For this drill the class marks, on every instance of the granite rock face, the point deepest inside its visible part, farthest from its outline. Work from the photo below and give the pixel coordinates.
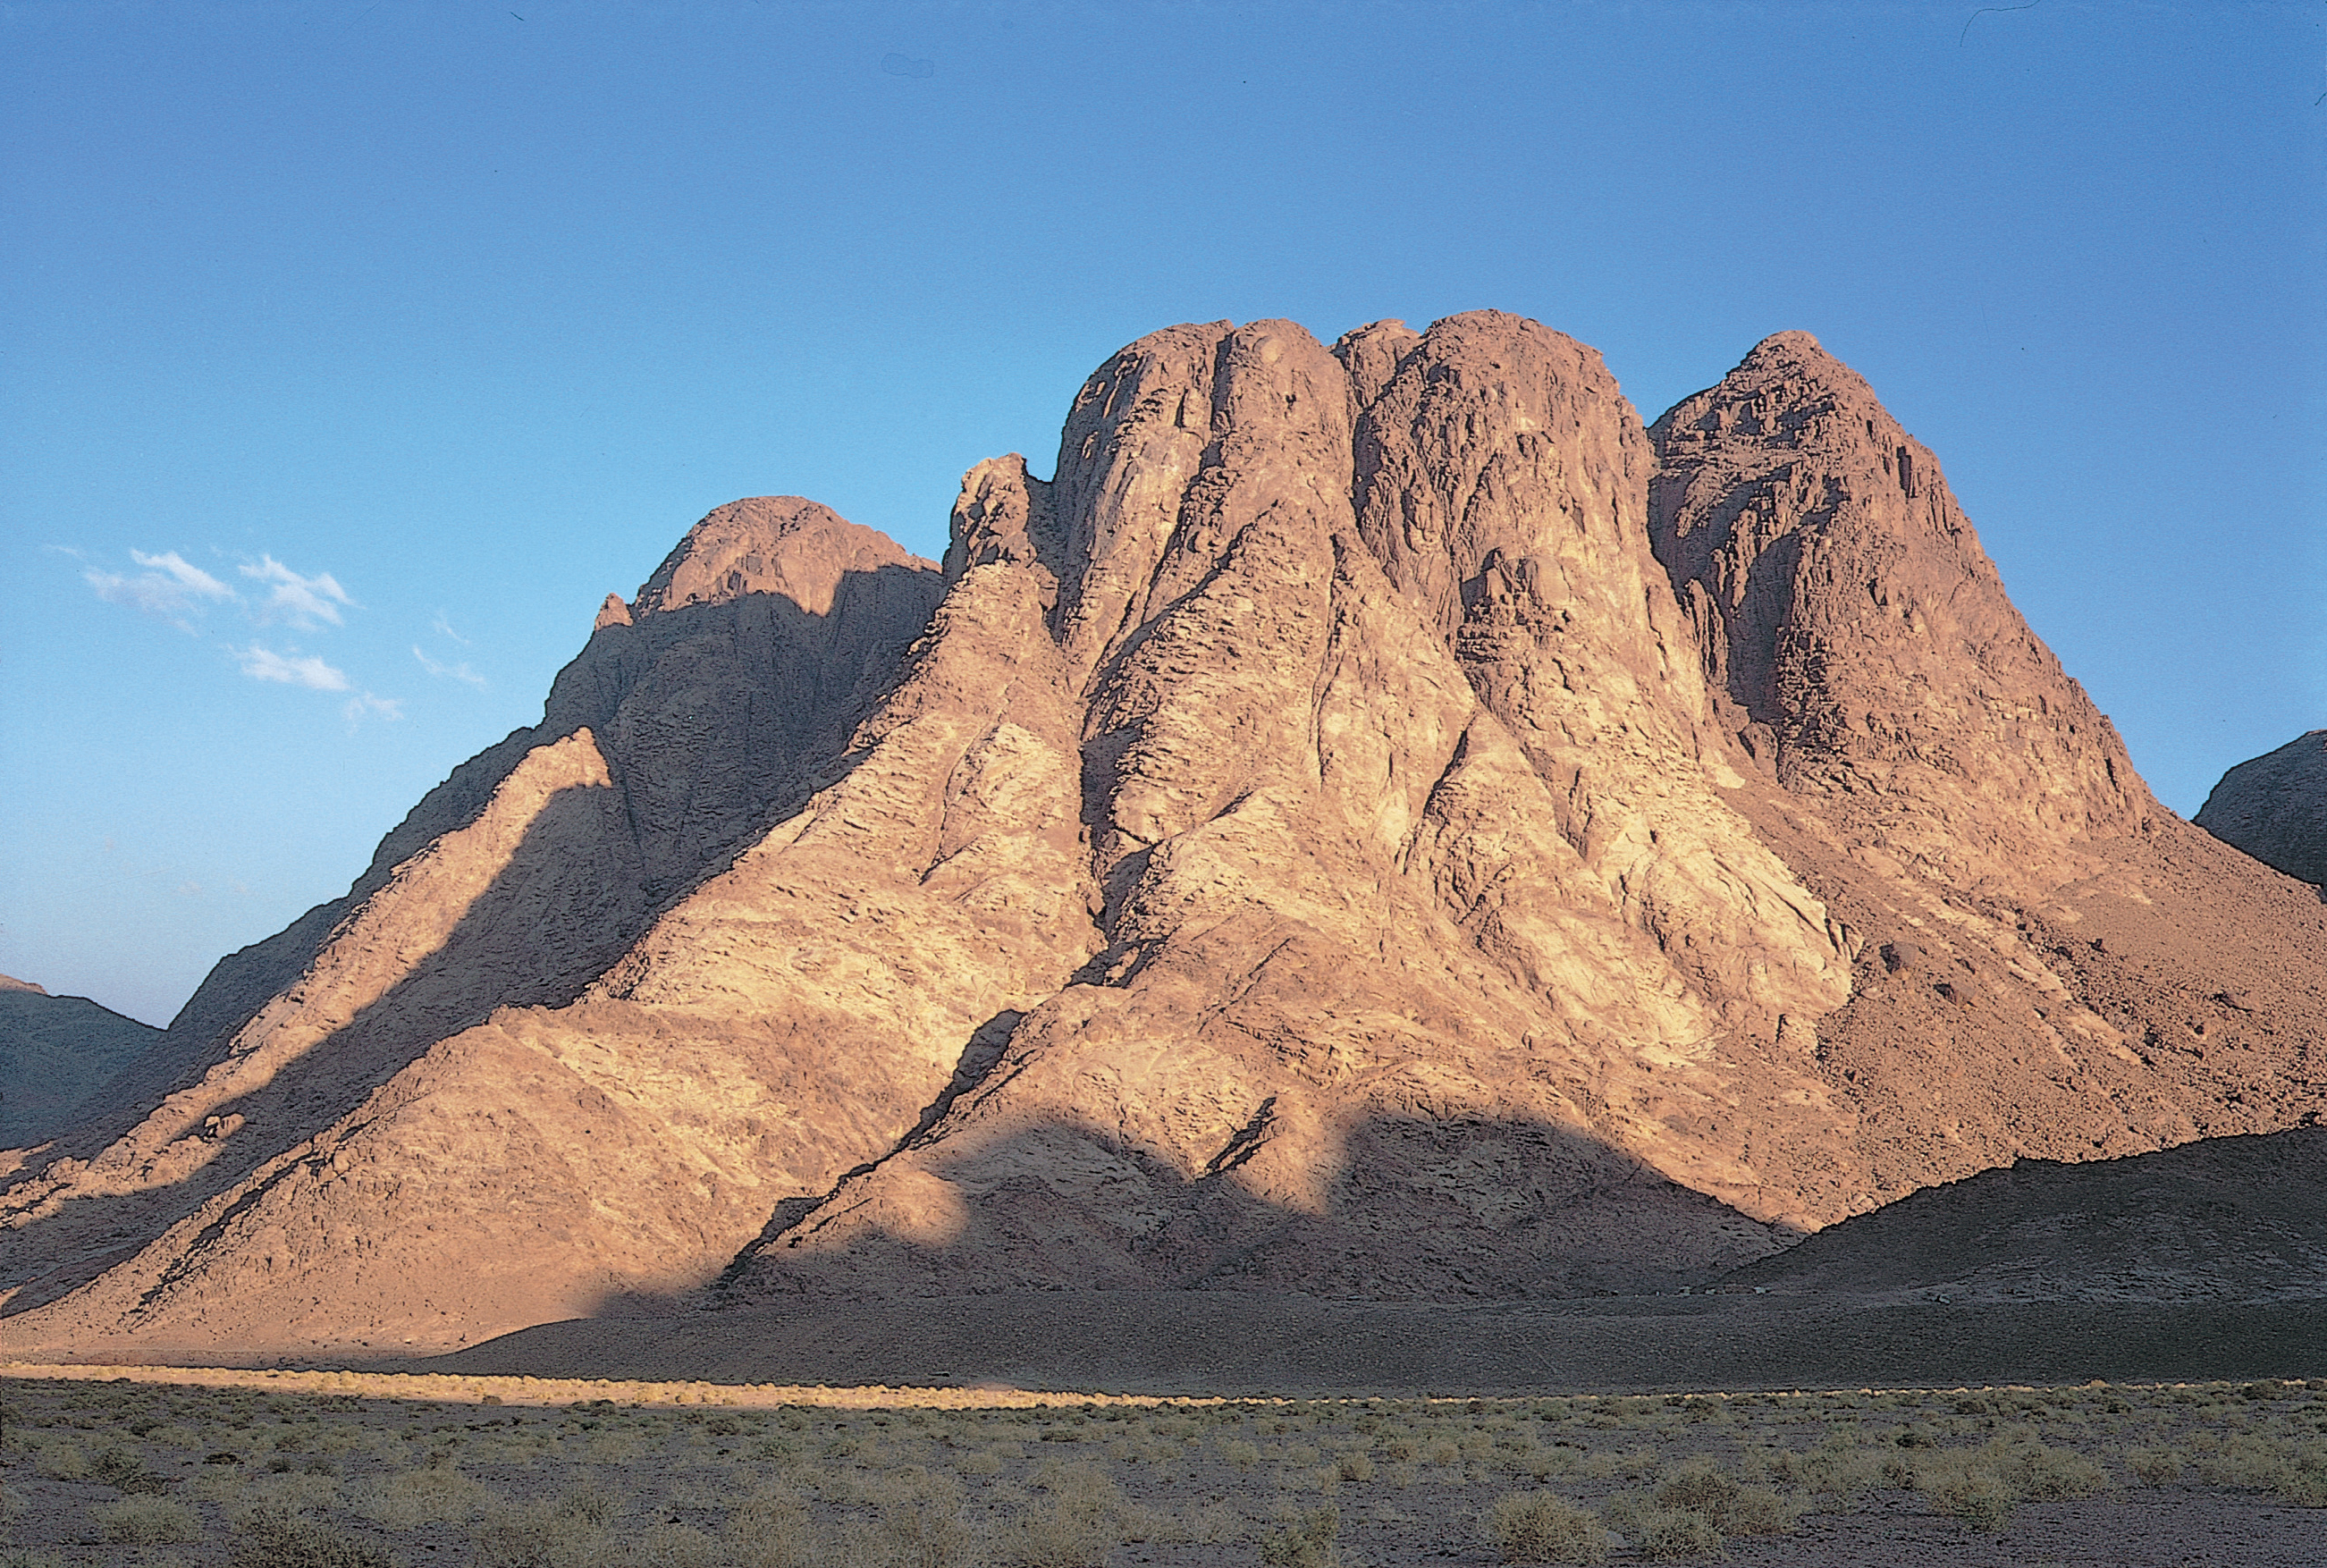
(2275, 808)
(1377, 821)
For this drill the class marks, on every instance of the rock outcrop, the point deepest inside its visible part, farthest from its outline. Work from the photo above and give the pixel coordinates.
(1377, 821)
(2275, 808)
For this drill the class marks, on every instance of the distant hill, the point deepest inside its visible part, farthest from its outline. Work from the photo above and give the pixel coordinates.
(54, 1052)
(2240, 1217)
(2275, 808)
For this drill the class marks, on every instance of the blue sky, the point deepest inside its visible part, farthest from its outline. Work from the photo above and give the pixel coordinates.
(353, 352)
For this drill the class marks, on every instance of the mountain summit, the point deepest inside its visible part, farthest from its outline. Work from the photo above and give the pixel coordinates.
(1378, 820)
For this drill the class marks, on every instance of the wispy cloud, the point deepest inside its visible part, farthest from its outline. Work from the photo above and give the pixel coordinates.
(170, 587)
(365, 705)
(293, 669)
(300, 600)
(460, 672)
(443, 628)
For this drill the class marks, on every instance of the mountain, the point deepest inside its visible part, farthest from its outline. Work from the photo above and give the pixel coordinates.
(55, 1053)
(2275, 808)
(1378, 821)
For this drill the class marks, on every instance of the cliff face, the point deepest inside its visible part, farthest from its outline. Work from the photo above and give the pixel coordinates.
(2275, 808)
(1377, 821)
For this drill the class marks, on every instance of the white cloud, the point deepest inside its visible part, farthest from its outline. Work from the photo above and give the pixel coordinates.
(444, 628)
(300, 600)
(170, 587)
(452, 671)
(292, 669)
(358, 707)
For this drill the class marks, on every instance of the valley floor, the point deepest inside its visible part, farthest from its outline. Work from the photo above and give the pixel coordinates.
(258, 1469)
(1220, 1343)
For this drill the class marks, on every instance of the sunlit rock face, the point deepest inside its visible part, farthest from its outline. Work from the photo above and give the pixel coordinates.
(1377, 821)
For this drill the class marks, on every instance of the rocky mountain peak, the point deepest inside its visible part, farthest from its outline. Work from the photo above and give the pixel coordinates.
(783, 544)
(1858, 639)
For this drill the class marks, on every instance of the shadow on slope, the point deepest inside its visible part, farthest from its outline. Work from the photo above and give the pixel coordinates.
(1449, 1207)
(2224, 1219)
(932, 1315)
(54, 1052)
(557, 914)
(1202, 1342)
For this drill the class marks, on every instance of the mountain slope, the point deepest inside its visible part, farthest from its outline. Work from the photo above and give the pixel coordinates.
(1379, 821)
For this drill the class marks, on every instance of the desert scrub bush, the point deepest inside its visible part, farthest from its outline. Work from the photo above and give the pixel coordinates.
(291, 1494)
(1838, 1465)
(1543, 1463)
(1312, 1541)
(431, 1494)
(126, 1472)
(1540, 1527)
(539, 1535)
(1239, 1452)
(63, 1460)
(925, 1534)
(2296, 1472)
(1076, 1525)
(1669, 1534)
(176, 1436)
(2047, 1474)
(770, 1531)
(1731, 1508)
(146, 1521)
(2155, 1466)
(1979, 1498)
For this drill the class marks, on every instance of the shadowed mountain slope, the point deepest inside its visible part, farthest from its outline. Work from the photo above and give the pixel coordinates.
(55, 1052)
(1378, 821)
(2228, 1219)
(2275, 808)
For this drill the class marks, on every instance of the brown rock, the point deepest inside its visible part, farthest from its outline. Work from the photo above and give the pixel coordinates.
(1858, 640)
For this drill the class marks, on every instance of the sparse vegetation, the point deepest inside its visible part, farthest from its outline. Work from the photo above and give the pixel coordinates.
(327, 1477)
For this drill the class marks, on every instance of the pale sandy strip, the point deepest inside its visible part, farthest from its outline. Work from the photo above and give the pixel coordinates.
(449, 1388)
(453, 1388)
